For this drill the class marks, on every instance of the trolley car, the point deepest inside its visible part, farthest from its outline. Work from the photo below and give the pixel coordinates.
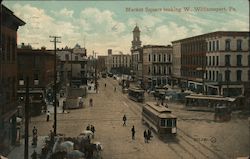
(136, 94)
(160, 119)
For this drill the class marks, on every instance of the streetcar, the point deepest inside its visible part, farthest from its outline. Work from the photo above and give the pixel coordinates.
(37, 102)
(160, 119)
(136, 94)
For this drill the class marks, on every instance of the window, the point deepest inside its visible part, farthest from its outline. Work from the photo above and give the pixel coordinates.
(159, 70)
(213, 75)
(239, 57)
(169, 123)
(227, 60)
(210, 46)
(248, 60)
(13, 49)
(239, 72)
(154, 58)
(169, 58)
(248, 75)
(154, 70)
(217, 75)
(164, 70)
(35, 76)
(163, 122)
(66, 57)
(217, 45)
(3, 46)
(169, 71)
(209, 77)
(227, 45)
(217, 60)
(159, 58)
(239, 43)
(213, 45)
(149, 57)
(213, 60)
(164, 57)
(149, 70)
(8, 48)
(227, 75)
(209, 61)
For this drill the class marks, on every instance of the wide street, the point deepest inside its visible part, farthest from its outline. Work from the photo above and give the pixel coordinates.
(198, 136)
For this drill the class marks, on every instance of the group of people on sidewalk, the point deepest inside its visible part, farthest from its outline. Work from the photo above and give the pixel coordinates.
(91, 128)
(147, 133)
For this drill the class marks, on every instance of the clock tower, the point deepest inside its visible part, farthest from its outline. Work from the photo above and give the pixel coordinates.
(136, 43)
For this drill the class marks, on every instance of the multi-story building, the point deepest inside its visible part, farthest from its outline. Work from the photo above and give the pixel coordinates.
(228, 62)
(8, 77)
(189, 62)
(176, 64)
(73, 67)
(136, 55)
(118, 63)
(38, 66)
(157, 65)
(101, 66)
(215, 63)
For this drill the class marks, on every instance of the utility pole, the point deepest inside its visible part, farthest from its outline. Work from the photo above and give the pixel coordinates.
(55, 75)
(26, 141)
(94, 53)
(71, 60)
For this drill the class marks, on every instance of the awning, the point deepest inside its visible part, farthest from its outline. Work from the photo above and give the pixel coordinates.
(8, 115)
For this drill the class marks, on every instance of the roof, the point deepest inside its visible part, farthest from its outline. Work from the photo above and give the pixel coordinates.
(224, 33)
(160, 111)
(136, 89)
(33, 52)
(159, 108)
(136, 29)
(219, 98)
(157, 46)
(18, 21)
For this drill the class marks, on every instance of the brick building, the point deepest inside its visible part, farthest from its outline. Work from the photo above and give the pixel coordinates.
(215, 63)
(8, 77)
(38, 66)
(157, 65)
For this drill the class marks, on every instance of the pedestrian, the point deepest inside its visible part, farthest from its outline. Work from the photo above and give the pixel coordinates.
(133, 132)
(64, 105)
(145, 134)
(149, 134)
(91, 102)
(88, 127)
(124, 120)
(34, 131)
(34, 155)
(93, 130)
(57, 102)
(48, 115)
(52, 138)
(166, 105)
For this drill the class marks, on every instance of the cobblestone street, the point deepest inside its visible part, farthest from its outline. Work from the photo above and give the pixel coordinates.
(198, 136)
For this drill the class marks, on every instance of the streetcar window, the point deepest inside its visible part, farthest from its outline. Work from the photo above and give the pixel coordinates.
(162, 122)
(174, 123)
(169, 123)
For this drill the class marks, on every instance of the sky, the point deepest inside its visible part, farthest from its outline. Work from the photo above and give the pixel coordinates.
(101, 25)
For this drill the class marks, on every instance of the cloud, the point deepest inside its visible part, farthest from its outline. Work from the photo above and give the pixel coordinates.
(64, 13)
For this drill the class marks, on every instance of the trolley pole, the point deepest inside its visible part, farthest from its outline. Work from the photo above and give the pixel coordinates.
(55, 74)
(26, 141)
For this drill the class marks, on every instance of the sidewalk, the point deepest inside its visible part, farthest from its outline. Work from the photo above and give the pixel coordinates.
(18, 151)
